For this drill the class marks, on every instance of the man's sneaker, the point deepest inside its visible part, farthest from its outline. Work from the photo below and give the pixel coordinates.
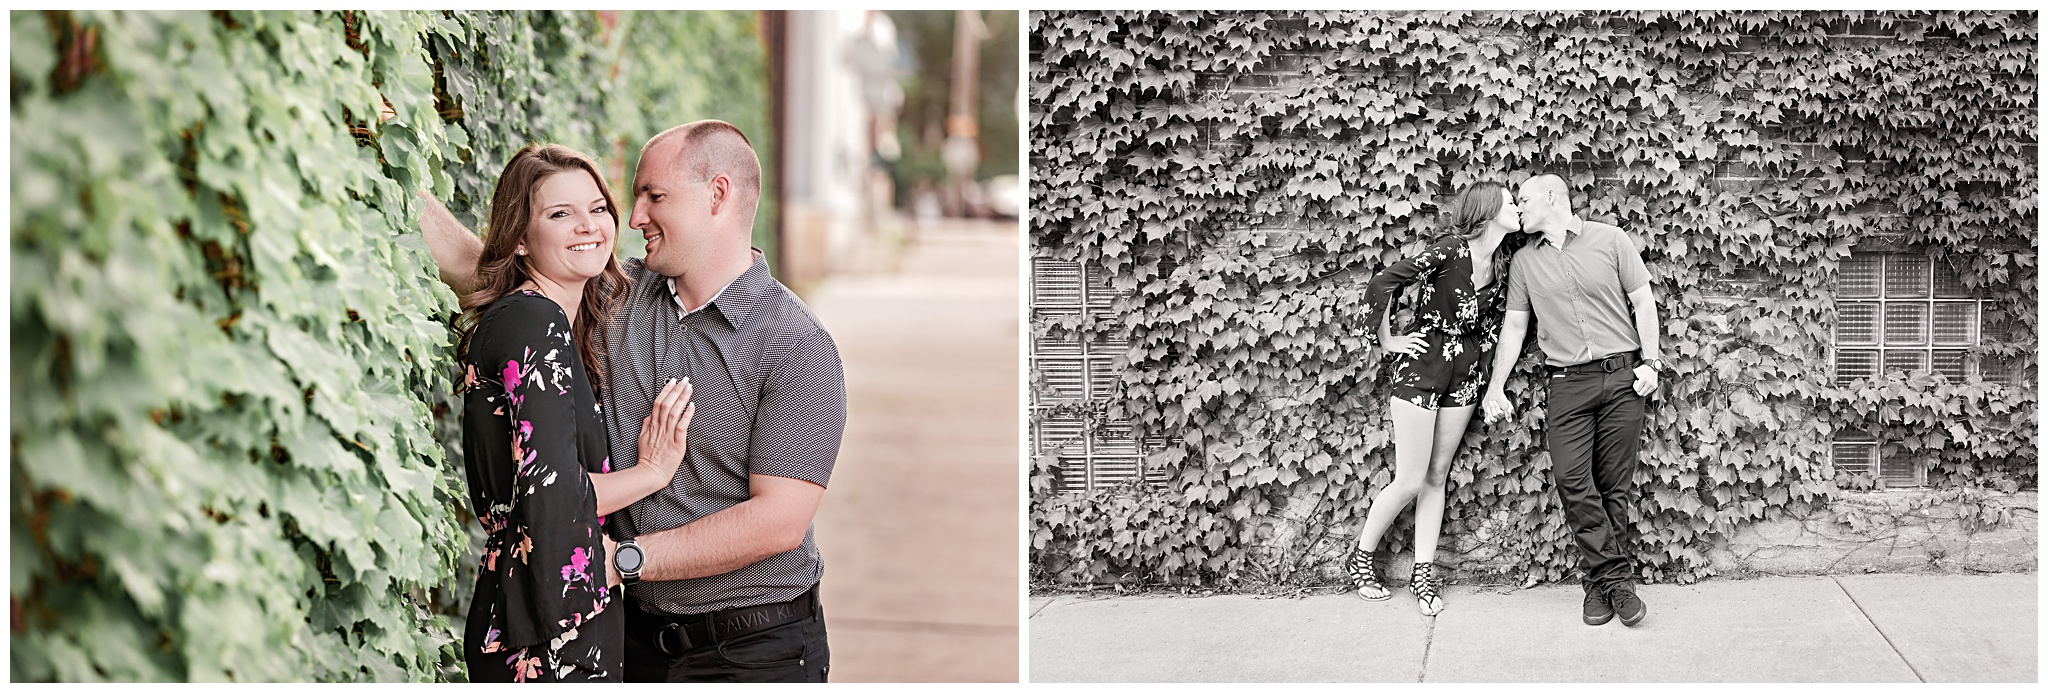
(1597, 609)
(1625, 603)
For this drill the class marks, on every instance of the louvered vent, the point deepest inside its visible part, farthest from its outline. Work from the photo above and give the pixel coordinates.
(1083, 371)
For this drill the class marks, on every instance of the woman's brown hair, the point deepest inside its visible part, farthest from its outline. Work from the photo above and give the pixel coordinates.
(500, 269)
(1477, 204)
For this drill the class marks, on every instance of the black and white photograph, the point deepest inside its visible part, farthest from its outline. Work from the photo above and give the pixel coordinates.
(1532, 346)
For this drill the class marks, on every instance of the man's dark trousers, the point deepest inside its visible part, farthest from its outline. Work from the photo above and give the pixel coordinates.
(791, 653)
(1595, 429)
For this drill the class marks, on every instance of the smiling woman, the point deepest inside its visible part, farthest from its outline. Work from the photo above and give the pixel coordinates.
(534, 439)
(572, 216)
(525, 206)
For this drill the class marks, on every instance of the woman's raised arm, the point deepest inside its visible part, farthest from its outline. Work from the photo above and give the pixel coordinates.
(454, 248)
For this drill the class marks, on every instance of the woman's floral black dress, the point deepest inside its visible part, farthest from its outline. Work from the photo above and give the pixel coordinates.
(532, 434)
(1457, 323)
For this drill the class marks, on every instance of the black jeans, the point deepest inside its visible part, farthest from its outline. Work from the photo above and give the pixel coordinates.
(1595, 429)
(790, 653)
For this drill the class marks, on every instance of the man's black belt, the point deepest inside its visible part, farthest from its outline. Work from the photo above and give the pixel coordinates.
(679, 634)
(1609, 364)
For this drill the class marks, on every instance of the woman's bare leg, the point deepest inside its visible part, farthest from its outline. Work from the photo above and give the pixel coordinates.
(1429, 506)
(1413, 433)
(1429, 501)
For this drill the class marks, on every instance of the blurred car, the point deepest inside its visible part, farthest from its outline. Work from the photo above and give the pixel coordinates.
(1005, 196)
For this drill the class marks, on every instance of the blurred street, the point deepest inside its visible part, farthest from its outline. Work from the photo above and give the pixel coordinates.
(919, 527)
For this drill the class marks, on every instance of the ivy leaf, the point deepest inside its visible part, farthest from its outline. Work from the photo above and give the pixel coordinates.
(1320, 189)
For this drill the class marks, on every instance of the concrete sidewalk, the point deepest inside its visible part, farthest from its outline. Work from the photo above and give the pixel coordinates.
(1903, 628)
(919, 527)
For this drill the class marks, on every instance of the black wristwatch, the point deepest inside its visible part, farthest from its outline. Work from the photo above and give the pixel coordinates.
(630, 560)
(1655, 364)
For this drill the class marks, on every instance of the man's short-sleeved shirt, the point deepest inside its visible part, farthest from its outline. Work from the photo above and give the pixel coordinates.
(1579, 292)
(771, 399)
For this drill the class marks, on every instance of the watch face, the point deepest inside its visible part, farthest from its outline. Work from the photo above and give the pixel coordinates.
(629, 559)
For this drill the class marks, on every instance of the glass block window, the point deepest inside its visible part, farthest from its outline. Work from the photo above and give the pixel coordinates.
(1078, 371)
(1902, 311)
(1905, 312)
(1858, 453)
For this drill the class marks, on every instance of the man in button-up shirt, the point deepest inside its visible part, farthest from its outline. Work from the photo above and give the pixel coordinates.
(1596, 322)
(728, 587)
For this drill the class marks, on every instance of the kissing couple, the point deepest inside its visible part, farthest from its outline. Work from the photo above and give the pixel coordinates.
(1585, 285)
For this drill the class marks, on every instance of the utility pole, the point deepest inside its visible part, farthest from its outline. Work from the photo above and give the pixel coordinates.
(962, 150)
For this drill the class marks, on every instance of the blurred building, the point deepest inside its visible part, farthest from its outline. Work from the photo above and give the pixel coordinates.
(958, 125)
(882, 118)
(835, 96)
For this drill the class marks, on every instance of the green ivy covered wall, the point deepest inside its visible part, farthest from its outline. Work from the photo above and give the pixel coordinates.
(1209, 191)
(231, 450)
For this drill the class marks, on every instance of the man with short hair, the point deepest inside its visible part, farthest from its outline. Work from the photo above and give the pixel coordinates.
(721, 567)
(1596, 323)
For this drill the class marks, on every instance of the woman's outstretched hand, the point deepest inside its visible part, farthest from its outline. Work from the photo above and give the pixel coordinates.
(1403, 344)
(664, 432)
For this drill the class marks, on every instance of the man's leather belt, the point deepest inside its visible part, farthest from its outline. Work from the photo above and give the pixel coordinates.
(679, 634)
(1609, 364)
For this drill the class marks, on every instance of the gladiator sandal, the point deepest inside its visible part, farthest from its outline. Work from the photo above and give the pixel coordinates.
(1426, 587)
(1366, 577)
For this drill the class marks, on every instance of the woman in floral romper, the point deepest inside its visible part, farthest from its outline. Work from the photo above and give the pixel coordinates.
(1439, 372)
(546, 606)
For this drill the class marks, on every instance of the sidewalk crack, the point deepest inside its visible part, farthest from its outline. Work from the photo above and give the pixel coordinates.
(1428, 639)
(1041, 607)
(1880, 630)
